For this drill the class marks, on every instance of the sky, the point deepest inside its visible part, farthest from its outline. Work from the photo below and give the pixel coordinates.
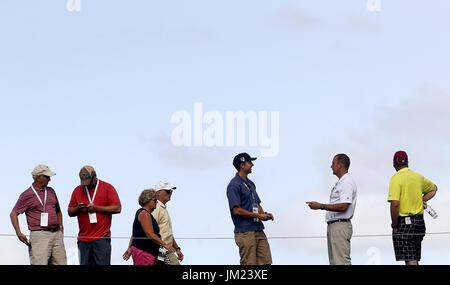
(101, 86)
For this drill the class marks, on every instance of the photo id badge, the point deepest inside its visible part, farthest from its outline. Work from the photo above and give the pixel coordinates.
(44, 220)
(93, 218)
(408, 220)
(256, 211)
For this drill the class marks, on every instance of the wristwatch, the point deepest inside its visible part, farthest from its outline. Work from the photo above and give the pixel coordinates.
(322, 207)
(394, 226)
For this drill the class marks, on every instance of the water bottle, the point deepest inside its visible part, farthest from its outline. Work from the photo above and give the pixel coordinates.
(432, 212)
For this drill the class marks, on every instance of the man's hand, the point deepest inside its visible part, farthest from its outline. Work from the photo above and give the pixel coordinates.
(313, 205)
(265, 216)
(82, 208)
(127, 254)
(180, 255)
(270, 216)
(169, 248)
(23, 238)
(91, 208)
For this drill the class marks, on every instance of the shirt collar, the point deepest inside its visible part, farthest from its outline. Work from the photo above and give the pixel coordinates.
(162, 204)
(239, 177)
(403, 169)
(343, 176)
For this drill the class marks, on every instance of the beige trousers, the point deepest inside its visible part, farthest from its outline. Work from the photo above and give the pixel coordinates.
(254, 248)
(338, 236)
(47, 248)
(173, 258)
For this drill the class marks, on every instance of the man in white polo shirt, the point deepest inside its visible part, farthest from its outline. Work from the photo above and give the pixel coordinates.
(340, 211)
(164, 192)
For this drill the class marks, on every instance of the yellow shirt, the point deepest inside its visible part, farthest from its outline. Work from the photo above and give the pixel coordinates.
(162, 217)
(408, 188)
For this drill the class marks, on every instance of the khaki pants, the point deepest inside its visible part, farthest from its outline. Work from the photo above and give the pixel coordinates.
(254, 248)
(173, 258)
(338, 236)
(47, 248)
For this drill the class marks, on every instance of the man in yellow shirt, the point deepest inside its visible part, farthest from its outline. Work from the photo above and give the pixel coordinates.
(164, 192)
(408, 193)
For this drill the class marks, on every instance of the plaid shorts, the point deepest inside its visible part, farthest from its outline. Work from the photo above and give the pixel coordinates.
(408, 239)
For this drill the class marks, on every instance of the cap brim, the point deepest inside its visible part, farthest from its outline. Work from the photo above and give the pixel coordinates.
(48, 173)
(167, 188)
(85, 182)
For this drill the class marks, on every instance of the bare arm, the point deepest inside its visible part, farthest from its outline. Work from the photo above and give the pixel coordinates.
(261, 211)
(105, 210)
(15, 222)
(60, 222)
(250, 215)
(75, 211)
(178, 250)
(127, 253)
(341, 207)
(394, 211)
(146, 223)
(429, 196)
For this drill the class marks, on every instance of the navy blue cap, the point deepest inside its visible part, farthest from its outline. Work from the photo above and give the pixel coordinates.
(242, 158)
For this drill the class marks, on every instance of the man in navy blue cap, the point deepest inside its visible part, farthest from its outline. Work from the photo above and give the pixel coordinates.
(247, 215)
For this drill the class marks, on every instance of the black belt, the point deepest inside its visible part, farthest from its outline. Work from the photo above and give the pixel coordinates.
(48, 230)
(340, 220)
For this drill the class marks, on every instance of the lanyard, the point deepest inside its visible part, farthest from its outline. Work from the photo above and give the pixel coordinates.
(249, 188)
(95, 193)
(45, 196)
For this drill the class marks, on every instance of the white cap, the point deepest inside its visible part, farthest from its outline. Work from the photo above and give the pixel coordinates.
(162, 185)
(42, 169)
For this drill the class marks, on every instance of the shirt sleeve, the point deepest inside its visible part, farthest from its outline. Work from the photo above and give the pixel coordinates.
(113, 197)
(73, 200)
(234, 199)
(428, 186)
(394, 190)
(258, 200)
(21, 204)
(57, 206)
(346, 193)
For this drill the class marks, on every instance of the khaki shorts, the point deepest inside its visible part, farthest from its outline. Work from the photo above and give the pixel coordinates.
(254, 248)
(47, 248)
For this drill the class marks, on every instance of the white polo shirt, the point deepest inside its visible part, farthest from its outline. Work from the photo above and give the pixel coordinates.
(343, 192)
(162, 217)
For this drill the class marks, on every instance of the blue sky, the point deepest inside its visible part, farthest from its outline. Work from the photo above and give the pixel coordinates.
(99, 87)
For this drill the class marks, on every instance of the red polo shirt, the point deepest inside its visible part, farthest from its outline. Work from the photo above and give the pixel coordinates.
(106, 196)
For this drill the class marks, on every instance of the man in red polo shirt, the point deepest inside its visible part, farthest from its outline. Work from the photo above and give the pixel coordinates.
(94, 202)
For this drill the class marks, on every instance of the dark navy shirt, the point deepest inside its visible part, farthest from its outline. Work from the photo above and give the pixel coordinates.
(140, 239)
(242, 193)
